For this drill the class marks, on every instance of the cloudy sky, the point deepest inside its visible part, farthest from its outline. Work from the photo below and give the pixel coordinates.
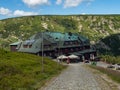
(16, 8)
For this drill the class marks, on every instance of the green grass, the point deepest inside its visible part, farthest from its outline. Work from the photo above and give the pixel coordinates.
(24, 71)
(114, 75)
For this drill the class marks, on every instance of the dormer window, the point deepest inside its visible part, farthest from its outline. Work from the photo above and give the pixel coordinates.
(56, 38)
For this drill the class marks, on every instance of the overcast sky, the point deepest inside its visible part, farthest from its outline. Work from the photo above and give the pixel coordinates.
(16, 8)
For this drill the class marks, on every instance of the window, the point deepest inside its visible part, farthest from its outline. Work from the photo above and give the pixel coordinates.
(47, 46)
(71, 42)
(76, 49)
(80, 48)
(66, 50)
(66, 43)
(76, 42)
(30, 46)
(71, 49)
(25, 46)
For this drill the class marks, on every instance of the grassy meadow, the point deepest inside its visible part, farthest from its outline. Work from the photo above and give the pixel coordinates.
(24, 71)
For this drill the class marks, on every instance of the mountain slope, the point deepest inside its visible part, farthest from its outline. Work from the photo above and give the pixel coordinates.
(91, 26)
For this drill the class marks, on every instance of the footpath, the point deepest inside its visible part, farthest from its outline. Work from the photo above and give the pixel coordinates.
(78, 77)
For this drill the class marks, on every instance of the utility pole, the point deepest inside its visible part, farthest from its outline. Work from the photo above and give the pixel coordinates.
(42, 53)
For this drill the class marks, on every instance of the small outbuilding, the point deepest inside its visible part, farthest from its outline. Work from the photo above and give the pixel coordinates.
(15, 46)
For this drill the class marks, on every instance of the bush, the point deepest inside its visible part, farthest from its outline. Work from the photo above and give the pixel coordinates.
(111, 59)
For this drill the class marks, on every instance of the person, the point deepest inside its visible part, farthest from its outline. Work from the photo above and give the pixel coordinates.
(68, 60)
(83, 58)
(58, 60)
(116, 66)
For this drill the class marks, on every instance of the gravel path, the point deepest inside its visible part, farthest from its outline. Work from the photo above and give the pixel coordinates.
(77, 77)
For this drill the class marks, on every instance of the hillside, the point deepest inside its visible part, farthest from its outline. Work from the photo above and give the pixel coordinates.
(109, 44)
(18, 73)
(91, 26)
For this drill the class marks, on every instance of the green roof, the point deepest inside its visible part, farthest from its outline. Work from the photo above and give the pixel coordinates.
(71, 37)
(16, 43)
(56, 35)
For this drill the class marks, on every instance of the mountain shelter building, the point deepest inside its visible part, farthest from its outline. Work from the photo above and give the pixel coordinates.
(54, 44)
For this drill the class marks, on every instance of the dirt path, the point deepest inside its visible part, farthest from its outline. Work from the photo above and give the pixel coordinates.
(78, 77)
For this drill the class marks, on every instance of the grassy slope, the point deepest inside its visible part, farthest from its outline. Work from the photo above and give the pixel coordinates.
(24, 71)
